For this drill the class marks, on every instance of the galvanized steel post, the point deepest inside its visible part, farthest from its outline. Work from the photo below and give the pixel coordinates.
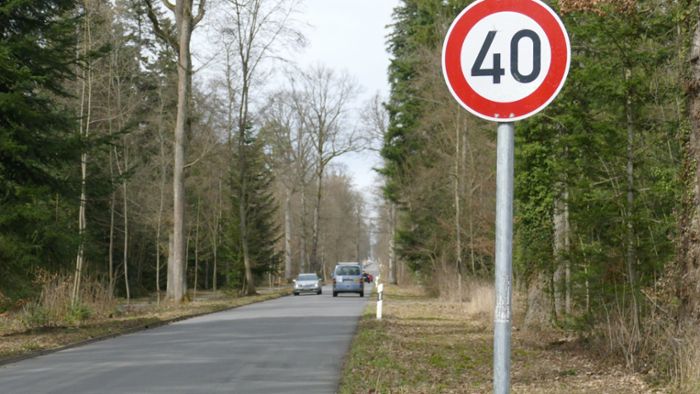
(504, 258)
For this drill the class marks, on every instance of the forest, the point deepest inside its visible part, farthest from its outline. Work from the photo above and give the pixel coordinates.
(130, 169)
(606, 180)
(125, 172)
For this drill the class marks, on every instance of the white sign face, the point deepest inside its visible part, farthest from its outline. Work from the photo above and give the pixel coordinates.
(514, 45)
(506, 60)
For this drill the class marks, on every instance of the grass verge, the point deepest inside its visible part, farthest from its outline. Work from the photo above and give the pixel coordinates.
(427, 345)
(17, 343)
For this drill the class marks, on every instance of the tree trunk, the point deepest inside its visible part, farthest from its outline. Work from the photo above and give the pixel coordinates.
(358, 236)
(183, 19)
(171, 250)
(457, 218)
(216, 239)
(126, 228)
(631, 249)
(112, 209)
(538, 310)
(84, 130)
(243, 202)
(315, 266)
(687, 270)
(161, 205)
(288, 235)
(302, 249)
(393, 277)
(113, 194)
(320, 167)
(567, 262)
(196, 250)
(561, 243)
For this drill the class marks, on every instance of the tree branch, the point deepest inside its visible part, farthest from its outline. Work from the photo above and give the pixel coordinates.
(205, 151)
(162, 34)
(200, 12)
(168, 5)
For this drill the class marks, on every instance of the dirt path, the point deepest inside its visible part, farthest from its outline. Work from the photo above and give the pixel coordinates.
(426, 345)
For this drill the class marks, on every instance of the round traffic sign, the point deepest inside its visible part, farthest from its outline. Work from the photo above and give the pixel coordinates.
(505, 60)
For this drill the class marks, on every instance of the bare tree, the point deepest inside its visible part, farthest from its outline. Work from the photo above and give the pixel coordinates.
(185, 22)
(345, 234)
(290, 144)
(323, 102)
(258, 26)
(376, 122)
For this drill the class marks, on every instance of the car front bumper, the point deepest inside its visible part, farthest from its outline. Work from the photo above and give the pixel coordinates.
(299, 290)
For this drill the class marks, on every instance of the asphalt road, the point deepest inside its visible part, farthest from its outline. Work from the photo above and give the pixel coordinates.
(287, 345)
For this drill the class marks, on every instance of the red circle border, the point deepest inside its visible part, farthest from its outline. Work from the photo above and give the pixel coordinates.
(527, 106)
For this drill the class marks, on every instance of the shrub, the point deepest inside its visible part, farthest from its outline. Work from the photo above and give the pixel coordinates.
(54, 306)
(34, 315)
(78, 314)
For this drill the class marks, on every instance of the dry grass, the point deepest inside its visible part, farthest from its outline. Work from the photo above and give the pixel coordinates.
(428, 345)
(480, 300)
(16, 340)
(686, 371)
(54, 306)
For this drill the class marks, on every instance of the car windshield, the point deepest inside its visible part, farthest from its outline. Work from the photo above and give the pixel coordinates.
(350, 270)
(307, 277)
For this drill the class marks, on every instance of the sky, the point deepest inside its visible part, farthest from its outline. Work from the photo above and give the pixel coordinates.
(351, 35)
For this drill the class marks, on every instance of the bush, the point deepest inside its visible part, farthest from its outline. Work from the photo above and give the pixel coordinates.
(78, 314)
(34, 315)
(54, 307)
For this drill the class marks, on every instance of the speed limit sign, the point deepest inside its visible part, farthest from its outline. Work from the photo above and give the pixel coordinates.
(505, 60)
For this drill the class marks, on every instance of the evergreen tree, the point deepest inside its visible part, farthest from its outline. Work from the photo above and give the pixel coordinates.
(37, 143)
(414, 30)
(263, 229)
(612, 143)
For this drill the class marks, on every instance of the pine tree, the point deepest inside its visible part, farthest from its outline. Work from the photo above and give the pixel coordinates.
(263, 230)
(37, 143)
(612, 144)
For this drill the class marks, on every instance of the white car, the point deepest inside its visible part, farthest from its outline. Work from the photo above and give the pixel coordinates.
(307, 283)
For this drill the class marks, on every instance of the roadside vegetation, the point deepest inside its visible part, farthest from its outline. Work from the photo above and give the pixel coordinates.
(121, 165)
(425, 344)
(125, 173)
(606, 203)
(52, 322)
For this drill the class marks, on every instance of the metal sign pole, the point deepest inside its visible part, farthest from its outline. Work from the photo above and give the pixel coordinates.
(504, 258)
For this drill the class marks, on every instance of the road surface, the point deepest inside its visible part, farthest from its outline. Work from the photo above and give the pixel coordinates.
(288, 345)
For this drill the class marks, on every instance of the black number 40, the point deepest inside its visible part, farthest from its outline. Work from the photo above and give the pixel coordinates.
(497, 72)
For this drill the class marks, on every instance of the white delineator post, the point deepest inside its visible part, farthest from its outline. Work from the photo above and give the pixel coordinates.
(380, 292)
(504, 258)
